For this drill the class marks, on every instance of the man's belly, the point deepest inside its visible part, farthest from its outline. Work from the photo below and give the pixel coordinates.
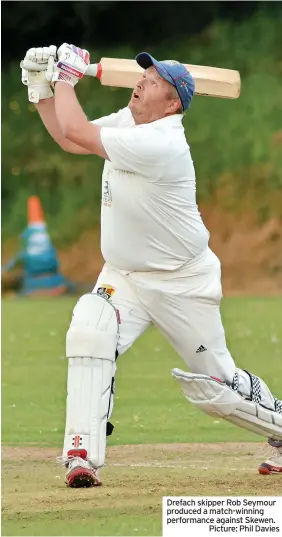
(133, 249)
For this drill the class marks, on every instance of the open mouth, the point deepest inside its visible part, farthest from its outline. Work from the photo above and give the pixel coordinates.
(135, 95)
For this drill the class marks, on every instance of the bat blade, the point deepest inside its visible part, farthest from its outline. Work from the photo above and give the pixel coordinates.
(209, 81)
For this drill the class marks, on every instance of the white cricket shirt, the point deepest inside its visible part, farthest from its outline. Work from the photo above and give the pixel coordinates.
(149, 215)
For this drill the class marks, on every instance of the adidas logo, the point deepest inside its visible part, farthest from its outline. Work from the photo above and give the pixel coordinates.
(201, 349)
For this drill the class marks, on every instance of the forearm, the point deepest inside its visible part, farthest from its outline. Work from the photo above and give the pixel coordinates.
(66, 100)
(47, 112)
(74, 123)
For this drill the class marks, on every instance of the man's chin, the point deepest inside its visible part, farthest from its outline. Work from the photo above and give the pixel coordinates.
(135, 110)
(133, 104)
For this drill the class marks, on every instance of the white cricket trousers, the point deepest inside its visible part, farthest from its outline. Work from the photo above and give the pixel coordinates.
(183, 304)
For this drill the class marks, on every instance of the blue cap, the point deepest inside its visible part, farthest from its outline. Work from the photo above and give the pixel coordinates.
(175, 73)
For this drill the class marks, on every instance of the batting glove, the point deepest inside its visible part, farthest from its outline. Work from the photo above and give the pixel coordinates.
(72, 64)
(38, 82)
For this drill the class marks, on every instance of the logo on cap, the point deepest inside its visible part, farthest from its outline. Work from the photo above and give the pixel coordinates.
(171, 62)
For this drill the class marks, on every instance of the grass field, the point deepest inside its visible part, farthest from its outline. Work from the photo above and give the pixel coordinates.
(161, 444)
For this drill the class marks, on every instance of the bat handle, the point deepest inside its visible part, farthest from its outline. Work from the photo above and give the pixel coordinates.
(94, 69)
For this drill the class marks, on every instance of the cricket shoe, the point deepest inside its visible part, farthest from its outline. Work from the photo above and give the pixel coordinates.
(273, 465)
(80, 472)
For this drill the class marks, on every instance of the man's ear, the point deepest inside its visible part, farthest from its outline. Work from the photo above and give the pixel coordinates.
(175, 106)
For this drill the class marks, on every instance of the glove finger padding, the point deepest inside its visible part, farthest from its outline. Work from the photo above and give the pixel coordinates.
(45, 54)
(72, 64)
(25, 77)
(51, 64)
(41, 54)
(31, 54)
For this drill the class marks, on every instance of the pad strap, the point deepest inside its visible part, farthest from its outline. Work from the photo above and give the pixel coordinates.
(255, 394)
(255, 388)
(278, 405)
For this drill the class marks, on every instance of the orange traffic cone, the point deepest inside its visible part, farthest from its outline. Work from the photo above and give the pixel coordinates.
(42, 275)
(38, 258)
(34, 211)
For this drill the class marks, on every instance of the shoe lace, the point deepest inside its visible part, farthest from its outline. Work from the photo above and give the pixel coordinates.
(78, 461)
(277, 455)
(70, 461)
(271, 453)
(63, 461)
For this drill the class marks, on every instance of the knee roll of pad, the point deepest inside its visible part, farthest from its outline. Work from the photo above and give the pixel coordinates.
(94, 329)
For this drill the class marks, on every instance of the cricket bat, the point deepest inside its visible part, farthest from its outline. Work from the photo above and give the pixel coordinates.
(122, 73)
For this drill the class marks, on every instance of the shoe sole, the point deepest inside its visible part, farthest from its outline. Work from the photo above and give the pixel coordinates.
(266, 469)
(82, 478)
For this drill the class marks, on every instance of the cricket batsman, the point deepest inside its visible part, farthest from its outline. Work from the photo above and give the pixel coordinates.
(159, 268)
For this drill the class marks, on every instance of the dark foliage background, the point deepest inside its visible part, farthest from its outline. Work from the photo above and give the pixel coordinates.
(236, 145)
(109, 24)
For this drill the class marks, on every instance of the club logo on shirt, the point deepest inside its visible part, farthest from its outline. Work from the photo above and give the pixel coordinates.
(106, 291)
(107, 194)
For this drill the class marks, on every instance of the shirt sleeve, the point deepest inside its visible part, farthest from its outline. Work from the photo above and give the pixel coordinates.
(120, 118)
(135, 150)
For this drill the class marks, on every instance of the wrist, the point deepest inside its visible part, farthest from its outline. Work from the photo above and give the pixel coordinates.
(60, 82)
(44, 102)
(62, 76)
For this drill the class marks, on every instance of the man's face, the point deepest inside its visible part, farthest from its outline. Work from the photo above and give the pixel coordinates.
(153, 98)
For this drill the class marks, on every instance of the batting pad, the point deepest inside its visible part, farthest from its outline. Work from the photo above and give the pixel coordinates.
(216, 398)
(91, 344)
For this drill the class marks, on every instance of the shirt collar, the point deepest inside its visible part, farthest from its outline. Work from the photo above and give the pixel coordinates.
(174, 119)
